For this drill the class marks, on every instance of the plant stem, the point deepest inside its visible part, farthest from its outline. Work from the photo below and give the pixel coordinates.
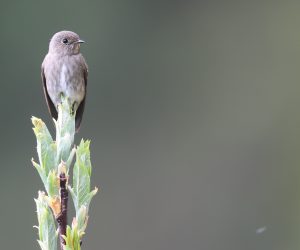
(62, 217)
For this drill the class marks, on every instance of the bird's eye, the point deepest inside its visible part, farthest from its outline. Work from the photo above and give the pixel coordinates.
(65, 41)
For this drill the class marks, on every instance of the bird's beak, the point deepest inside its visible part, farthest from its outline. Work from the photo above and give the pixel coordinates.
(80, 41)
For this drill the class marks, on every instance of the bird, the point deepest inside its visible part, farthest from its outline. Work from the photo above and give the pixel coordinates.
(64, 72)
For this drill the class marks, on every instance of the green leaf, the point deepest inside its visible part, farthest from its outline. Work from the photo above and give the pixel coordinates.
(43, 245)
(52, 184)
(65, 130)
(70, 159)
(47, 231)
(72, 239)
(46, 147)
(81, 177)
(90, 196)
(68, 248)
(82, 219)
(41, 172)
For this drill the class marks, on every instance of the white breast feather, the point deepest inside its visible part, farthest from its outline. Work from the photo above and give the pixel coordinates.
(62, 78)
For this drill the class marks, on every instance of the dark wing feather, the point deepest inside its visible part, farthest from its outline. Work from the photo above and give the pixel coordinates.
(50, 104)
(80, 109)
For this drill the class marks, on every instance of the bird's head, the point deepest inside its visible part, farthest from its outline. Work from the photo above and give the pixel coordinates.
(65, 43)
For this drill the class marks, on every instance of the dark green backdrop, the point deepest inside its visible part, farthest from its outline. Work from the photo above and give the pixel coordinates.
(193, 109)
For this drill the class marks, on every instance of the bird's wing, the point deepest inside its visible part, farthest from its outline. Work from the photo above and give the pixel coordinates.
(80, 109)
(50, 104)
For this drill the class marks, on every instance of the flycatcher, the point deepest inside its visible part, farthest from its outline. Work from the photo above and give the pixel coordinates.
(64, 73)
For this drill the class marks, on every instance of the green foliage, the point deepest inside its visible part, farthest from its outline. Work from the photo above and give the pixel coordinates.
(56, 157)
(75, 233)
(52, 184)
(46, 147)
(47, 231)
(65, 130)
(80, 192)
(72, 239)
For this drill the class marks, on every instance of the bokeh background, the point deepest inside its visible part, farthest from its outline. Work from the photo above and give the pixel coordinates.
(193, 109)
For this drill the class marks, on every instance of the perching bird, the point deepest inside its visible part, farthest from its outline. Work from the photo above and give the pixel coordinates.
(64, 72)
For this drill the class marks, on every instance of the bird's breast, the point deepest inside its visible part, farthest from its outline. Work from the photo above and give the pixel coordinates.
(66, 77)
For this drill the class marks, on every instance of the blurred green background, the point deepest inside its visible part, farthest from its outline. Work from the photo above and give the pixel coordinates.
(193, 111)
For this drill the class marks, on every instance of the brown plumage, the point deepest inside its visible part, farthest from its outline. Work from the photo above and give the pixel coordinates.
(65, 72)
